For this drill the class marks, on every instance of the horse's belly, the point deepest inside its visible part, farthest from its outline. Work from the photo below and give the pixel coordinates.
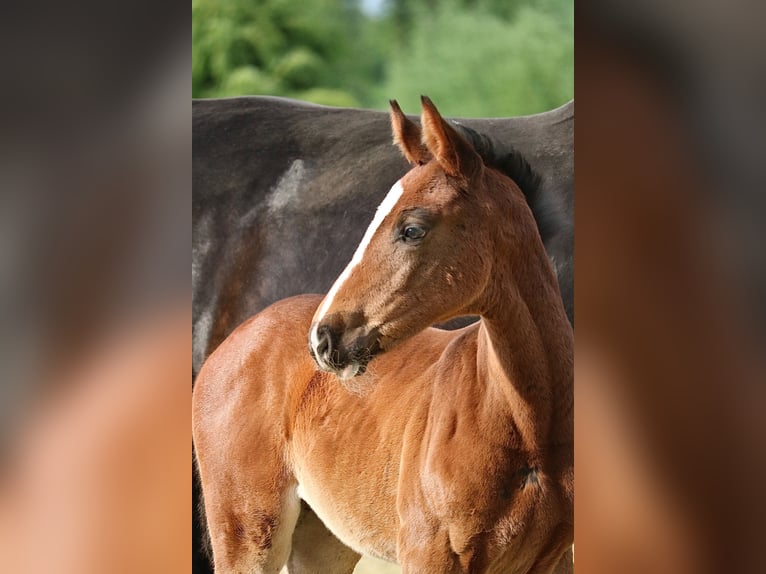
(363, 521)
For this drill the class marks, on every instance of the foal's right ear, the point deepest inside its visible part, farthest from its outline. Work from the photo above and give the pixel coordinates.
(407, 136)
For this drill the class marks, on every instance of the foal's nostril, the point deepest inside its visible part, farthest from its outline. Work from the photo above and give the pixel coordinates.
(323, 348)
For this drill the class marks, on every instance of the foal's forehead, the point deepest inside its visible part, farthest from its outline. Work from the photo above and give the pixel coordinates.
(426, 183)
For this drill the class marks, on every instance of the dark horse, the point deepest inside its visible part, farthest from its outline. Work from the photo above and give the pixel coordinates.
(282, 192)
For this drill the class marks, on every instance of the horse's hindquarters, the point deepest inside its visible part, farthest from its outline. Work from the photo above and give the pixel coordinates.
(241, 413)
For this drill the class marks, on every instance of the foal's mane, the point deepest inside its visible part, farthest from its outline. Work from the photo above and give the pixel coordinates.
(514, 165)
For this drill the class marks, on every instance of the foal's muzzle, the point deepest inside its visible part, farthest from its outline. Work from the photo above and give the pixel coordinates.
(344, 352)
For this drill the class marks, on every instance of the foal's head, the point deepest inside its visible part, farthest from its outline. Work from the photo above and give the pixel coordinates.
(442, 233)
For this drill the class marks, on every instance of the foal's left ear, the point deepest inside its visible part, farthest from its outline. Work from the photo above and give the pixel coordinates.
(407, 136)
(453, 152)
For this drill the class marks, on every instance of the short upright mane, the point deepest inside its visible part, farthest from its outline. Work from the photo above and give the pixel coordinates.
(514, 165)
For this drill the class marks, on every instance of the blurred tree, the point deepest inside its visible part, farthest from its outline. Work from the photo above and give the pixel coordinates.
(280, 47)
(474, 57)
(404, 12)
(474, 61)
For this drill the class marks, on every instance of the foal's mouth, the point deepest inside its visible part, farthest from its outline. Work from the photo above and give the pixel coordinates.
(346, 364)
(350, 371)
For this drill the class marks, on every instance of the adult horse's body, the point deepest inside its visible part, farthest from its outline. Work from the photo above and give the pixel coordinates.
(458, 455)
(283, 189)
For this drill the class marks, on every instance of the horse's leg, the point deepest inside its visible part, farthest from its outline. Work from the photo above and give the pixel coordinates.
(251, 533)
(316, 550)
(421, 553)
(240, 427)
(250, 496)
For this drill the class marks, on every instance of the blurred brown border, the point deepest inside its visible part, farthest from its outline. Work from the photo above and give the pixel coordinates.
(669, 290)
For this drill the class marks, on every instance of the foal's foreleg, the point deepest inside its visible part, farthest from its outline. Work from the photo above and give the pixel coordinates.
(423, 554)
(253, 534)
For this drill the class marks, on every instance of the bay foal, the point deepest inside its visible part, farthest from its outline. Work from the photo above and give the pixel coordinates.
(447, 451)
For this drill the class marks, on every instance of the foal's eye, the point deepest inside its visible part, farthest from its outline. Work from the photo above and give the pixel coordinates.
(413, 233)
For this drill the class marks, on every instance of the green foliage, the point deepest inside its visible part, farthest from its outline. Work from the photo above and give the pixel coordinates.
(300, 68)
(280, 47)
(475, 63)
(473, 57)
(249, 80)
(330, 97)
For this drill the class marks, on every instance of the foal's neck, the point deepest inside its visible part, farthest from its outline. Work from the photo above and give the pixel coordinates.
(526, 351)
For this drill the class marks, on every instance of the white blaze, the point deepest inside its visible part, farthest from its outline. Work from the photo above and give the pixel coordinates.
(380, 214)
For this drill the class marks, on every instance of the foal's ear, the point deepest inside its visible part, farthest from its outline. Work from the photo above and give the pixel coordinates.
(407, 136)
(453, 152)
